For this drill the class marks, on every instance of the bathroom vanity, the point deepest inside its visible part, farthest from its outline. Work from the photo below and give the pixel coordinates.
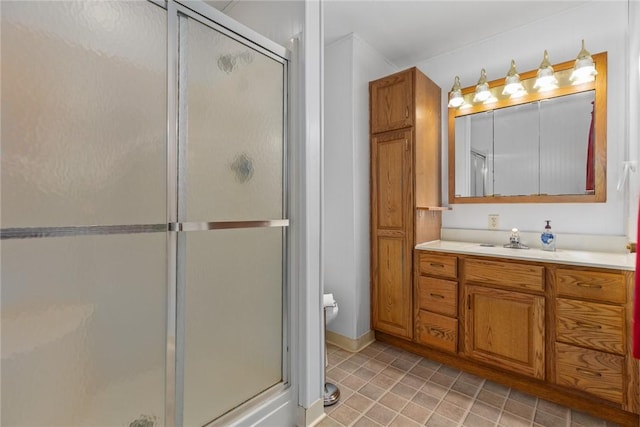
(553, 324)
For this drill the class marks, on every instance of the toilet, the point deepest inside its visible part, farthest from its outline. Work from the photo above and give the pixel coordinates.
(330, 307)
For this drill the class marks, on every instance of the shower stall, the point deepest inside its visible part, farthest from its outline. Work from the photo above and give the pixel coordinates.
(144, 215)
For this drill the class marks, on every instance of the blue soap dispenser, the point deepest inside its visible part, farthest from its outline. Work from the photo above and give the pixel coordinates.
(548, 239)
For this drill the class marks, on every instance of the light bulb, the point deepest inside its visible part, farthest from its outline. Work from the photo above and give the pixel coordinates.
(482, 89)
(584, 69)
(455, 97)
(546, 78)
(513, 86)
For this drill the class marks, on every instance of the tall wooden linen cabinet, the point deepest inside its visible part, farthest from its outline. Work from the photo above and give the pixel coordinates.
(405, 132)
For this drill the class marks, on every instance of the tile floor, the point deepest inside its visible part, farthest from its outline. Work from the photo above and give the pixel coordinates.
(383, 385)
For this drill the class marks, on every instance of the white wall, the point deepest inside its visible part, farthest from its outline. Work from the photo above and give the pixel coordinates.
(350, 63)
(603, 25)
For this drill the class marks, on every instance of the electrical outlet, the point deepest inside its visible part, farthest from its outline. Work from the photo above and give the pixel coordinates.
(494, 221)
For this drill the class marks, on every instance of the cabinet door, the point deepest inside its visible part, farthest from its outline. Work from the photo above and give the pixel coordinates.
(505, 329)
(392, 102)
(391, 227)
(391, 299)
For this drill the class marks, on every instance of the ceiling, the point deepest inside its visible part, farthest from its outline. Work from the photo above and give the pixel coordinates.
(406, 32)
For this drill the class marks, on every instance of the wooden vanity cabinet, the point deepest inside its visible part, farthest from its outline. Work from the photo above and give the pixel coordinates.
(505, 326)
(557, 331)
(405, 181)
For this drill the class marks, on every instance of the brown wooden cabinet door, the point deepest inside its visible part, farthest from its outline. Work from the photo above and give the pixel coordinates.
(391, 225)
(505, 329)
(392, 102)
(391, 295)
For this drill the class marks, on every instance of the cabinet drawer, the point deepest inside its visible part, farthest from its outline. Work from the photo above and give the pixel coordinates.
(590, 324)
(506, 274)
(592, 371)
(437, 331)
(607, 287)
(438, 295)
(439, 265)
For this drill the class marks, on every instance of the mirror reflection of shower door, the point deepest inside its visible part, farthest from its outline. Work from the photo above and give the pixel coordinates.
(231, 220)
(478, 174)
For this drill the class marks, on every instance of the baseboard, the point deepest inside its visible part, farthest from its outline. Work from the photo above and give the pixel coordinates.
(311, 416)
(350, 344)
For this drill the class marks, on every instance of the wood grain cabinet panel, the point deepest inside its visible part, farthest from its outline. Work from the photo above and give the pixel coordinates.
(439, 265)
(600, 286)
(595, 372)
(504, 274)
(438, 295)
(593, 325)
(506, 329)
(391, 312)
(392, 102)
(437, 331)
(393, 170)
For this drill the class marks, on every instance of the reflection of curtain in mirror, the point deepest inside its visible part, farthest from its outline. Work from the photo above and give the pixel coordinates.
(591, 181)
(636, 301)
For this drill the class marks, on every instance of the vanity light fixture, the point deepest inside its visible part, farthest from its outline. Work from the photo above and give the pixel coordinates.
(512, 84)
(546, 79)
(482, 89)
(584, 70)
(455, 97)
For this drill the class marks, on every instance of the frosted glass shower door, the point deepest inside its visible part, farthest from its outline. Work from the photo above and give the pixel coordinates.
(84, 213)
(231, 220)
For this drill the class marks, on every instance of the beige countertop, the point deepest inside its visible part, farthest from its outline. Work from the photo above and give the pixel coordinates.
(621, 261)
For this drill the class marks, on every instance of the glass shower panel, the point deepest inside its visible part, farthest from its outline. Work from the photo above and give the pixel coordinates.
(83, 330)
(234, 104)
(231, 169)
(233, 319)
(83, 113)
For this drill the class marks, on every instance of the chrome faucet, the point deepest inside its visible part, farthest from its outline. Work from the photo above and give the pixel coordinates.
(514, 240)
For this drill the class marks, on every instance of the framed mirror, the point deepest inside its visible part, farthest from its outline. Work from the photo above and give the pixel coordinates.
(541, 147)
